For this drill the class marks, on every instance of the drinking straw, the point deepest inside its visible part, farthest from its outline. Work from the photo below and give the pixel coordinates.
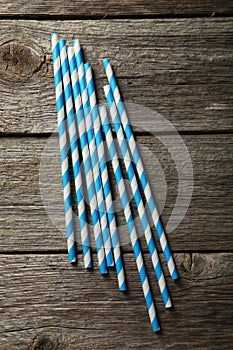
(93, 154)
(63, 149)
(87, 162)
(75, 154)
(104, 177)
(129, 219)
(137, 197)
(140, 169)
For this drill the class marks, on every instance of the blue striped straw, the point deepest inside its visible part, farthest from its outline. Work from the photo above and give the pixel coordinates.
(140, 169)
(137, 197)
(63, 149)
(104, 177)
(75, 154)
(94, 155)
(87, 162)
(129, 219)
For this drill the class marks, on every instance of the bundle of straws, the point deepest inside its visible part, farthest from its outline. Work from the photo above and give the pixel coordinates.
(87, 126)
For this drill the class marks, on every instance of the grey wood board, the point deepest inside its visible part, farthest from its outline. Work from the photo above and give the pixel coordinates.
(180, 69)
(31, 193)
(109, 8)
(48, 304)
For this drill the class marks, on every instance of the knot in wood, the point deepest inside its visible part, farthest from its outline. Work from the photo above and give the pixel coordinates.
(45, 342)
(195, 264)
(19, 60)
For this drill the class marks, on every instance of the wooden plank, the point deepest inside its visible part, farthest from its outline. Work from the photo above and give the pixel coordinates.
(25, 224)
(49, 304)
(110, 8)
(180, 69)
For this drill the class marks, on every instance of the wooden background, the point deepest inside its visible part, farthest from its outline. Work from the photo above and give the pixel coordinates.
(176, 58)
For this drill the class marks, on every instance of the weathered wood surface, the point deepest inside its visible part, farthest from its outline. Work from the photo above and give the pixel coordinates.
(108, 8)
(25, 225)
(180, 68)
(48, 304)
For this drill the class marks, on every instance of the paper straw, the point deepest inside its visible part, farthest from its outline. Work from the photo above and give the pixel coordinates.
(104, 177)
(63, 149)
(75, 154)
(87, 162)
(137, 197)
(140, 169)
(93, 155)
(129, 219)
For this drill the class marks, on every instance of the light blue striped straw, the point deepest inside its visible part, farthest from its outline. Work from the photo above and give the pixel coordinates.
(140, 169)
(104, 177)
(63, 149)
(94, 155)
(87, 162)
(129, 219)
(75, 154)
(137, 197)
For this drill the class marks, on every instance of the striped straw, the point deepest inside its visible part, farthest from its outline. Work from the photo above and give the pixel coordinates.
(75, 154)
(104, 177)
(93, 154)
(87, 162)
(137, 197)
(140, 169)
(129, 219)
(63, 149)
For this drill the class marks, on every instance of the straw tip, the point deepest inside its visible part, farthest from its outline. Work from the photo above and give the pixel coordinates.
(168, 305)
(105, 62)
(155, 325)
(87, 65)
(89, 265)
(76, 43)
(54, 39)
(72, 259)
(123, 287)
(175, 275)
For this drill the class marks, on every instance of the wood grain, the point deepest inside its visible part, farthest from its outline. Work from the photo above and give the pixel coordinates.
(48, 304)
(110, 8)
(26, 176)
(180, 69)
